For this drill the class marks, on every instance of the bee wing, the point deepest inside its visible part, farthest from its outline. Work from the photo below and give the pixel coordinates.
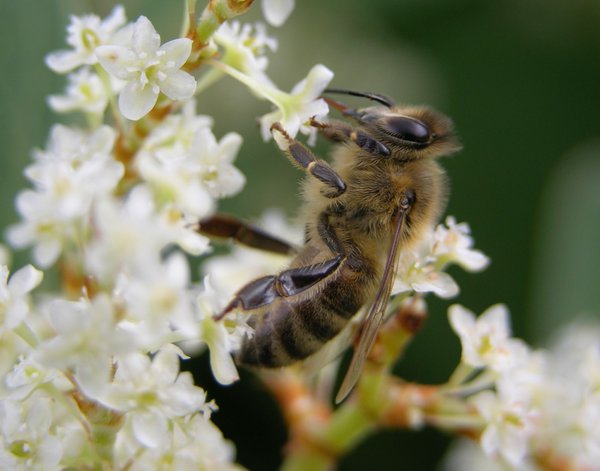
(374, 318)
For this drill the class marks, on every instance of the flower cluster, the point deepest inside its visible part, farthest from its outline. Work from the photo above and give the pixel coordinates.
(91, 372)
(422, 269)
(538, 409)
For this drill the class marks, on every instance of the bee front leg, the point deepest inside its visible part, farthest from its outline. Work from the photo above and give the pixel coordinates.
(302, 156)
(228, 227)
(341, 132)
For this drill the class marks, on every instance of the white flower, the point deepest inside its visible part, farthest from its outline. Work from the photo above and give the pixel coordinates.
(13, 294)
(28, 375)
(85, 92)
(130, 235)
(151, 392)
(453, 244)
(158, 302)
(75, 146)
(192, 442)
(215, 159)
(277, 11)
(245, 48)
(27, 439)
(569, 398)
(148, 68)
(85, 34)
(416, 272)
(222, 338)
(509, 425)
(87, 337)
(421, 269)
(173, 137)
(75, 170)
(186, 167)
(296, 108)
(486, 341)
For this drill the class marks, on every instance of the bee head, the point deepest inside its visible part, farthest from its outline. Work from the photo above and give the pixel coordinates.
(412, 132)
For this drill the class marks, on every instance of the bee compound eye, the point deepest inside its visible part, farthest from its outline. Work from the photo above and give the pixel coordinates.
(408, 129)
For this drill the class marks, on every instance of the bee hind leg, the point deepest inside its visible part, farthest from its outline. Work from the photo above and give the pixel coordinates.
(263, 291)
(225, 226)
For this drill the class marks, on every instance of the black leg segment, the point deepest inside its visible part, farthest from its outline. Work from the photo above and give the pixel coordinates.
(341, 132)
(319, 169)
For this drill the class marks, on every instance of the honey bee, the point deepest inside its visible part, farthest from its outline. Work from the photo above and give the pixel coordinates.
(382, 191)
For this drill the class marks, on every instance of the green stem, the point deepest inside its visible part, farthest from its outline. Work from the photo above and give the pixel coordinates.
(275, 96)
(189, 13)
(308, 460)
(216, 13)
(484, 380)
(348, 425)
(456, 422)
(460, 374)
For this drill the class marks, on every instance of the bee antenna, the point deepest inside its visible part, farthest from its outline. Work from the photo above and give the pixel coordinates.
(371, 96)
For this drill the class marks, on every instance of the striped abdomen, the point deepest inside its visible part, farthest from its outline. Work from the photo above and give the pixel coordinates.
(289, 332)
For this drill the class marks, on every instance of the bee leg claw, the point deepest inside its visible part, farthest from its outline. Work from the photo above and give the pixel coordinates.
(276, 126)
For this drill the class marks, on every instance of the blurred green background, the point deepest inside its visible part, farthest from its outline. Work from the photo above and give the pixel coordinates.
(520, 78)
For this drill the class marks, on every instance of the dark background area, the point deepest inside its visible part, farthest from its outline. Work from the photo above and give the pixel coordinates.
(520, 78)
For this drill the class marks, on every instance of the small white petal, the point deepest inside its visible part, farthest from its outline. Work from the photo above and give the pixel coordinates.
(150, 429)
(194, 243)
(277, 11)
(93, 374)
(66, 317)
(498, 318)
(165, 366)
(115, 19)
(16, 313)
(116, 60)
(221, 363)
(176, 52)
(24, 280)
(461, 319)
(473, 260)
(196, 201)
(145, 38)
(50, 451)
(135, 102)
(178, 85)
(46, 252)
(64, 61)
(230, 145)
(315, 82)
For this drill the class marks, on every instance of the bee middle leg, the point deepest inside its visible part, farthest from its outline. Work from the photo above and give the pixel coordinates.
(224, 226)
